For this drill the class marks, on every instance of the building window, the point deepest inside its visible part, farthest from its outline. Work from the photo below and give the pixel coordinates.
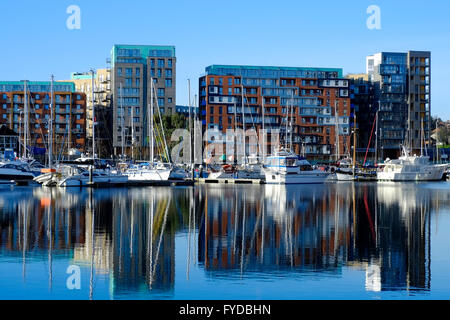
(169, 63)
(138, 82)
(119, 71)
(168, 72)
(159, 73)
(211, 81)
(161, 102)
(161, 92)
(152, 63)
(138, 71)
(168, 83)
(169, 100)
(160, 63)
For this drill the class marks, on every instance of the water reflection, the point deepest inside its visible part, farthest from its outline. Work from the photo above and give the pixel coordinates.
(233, 232)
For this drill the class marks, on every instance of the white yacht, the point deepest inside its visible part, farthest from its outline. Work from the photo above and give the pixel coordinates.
(147, 173)
(18, 172)
(285, 167)
(411, 168)
(99, 178)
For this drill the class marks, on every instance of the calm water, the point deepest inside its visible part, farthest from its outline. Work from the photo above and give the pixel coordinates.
(336, 241)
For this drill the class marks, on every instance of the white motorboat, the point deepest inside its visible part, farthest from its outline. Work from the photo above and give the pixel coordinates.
(147, 173)
(285, 167)
(178, 173)
(99, 178)
(18, 172)
(411, 168)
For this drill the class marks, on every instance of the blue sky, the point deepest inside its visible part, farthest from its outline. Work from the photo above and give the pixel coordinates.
(36, 42)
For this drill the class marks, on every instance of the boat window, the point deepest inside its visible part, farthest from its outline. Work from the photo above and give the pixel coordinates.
(291, 162)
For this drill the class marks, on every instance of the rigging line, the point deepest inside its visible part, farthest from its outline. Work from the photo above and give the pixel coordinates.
(162, 127)
(33, 111)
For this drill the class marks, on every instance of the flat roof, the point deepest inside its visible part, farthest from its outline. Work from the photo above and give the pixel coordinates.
(236, 69)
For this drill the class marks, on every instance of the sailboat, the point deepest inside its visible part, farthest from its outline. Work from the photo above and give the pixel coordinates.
(150, 172)
(252, 167)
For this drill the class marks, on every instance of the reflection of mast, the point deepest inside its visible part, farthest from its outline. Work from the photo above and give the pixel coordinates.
(50, 245)
(189, 236)
(91, 281)
(150, 243)
(243, 237)
(262, 228)
(161, 236)
(24, 241)
(132, 230)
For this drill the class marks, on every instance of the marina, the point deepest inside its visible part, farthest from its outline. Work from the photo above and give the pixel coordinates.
(350, 240)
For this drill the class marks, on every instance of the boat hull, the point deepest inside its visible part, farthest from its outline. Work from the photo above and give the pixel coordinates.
(430, 173)
(300, 178)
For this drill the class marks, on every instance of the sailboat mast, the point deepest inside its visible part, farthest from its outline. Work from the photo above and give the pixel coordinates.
(50, 127)
(25, 133)
(132, 133)
(292, 123)
(243, 125)
(195, 132)
(263, 111)
(287, 126)
(338, 151)
(93, 115)
(152, 147)
(123, 120)
(354, 144)
(190, 124)
(376, 139)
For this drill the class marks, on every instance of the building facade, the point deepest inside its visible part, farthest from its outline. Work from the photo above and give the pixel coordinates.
(69, 122)
(362, 94)
(103, 109)
(133, 67)
(402, 90)
(317, 101)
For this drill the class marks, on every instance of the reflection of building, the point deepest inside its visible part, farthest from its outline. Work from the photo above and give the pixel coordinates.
(402, 229)
(143, 255)
(243, 234)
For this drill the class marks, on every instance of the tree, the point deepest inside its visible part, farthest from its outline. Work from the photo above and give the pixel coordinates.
(443, 135)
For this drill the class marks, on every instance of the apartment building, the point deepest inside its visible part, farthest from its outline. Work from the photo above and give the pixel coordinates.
(133, 68)
(362, 94)
(69, 122)
(315, 100)
(103, 109)
(402, 91)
